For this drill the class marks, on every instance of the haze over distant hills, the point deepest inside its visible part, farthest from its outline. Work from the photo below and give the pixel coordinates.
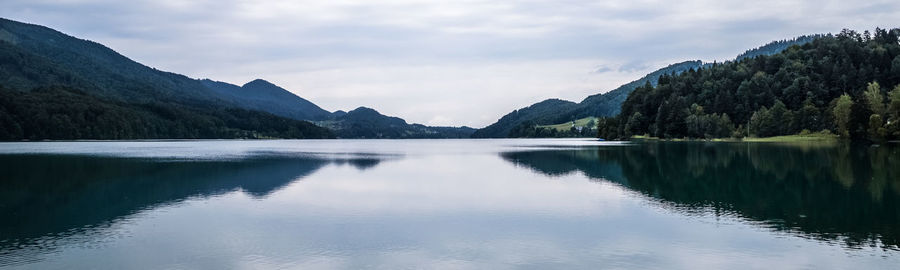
(112, 97)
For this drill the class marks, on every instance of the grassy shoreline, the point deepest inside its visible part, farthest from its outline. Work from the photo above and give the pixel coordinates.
(814, 137)
(583, 122)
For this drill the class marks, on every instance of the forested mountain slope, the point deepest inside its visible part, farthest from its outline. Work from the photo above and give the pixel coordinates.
(54, 86)
(534, 114)
(367, 123)
(108, 96)
(37, 56)
(847, 83)
(62, 113)
(554, 111)
(776, 47)
(265, 96)
(609, 103)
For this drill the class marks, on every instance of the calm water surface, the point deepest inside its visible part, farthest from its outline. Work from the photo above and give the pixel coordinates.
(479, 204)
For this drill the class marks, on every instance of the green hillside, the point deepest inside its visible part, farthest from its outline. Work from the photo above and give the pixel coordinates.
(68, 114)
(847, 83)
(553, 111)
(587, 122)
(54, 86)
(367, 123)
(109, 96)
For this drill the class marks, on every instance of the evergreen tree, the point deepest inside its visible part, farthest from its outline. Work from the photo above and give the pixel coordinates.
(808, 118)
(781, 120)
(635, 124)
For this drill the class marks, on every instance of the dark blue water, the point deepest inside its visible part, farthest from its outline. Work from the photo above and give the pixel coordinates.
(481, 204)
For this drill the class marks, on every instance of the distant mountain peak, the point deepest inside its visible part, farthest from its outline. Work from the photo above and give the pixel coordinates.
(363, 109)
(259, 83)
(777, 46)
(365, 122)
(265, 96)
(554, 101)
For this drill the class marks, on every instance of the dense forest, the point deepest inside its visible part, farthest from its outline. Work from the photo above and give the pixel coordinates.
(848, 84)
(775, 47)
(65, 113)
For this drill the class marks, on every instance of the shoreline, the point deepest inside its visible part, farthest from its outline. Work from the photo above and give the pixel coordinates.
(829, 138)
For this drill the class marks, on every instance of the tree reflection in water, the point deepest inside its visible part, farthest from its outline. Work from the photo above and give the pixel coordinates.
(831, 192)
(44, 198)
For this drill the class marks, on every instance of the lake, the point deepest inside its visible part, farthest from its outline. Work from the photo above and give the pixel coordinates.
(459, 204)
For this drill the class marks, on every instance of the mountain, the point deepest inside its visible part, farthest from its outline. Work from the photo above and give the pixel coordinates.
(610, 103)
(554, 111)
(102, 72)
(776, 47)
(367, 123)
(543, 112)
(68, 114)
(361, 123)
(108, 96)
(41, 56)
(264, 96)
(848, 84)
(54, 86)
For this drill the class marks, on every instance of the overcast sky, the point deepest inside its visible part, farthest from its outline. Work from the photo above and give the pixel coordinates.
(439, 62)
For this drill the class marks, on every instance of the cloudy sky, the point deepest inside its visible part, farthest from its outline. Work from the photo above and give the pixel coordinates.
(464, 62)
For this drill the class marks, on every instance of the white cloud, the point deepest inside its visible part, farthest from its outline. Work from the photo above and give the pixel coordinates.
(439, 62)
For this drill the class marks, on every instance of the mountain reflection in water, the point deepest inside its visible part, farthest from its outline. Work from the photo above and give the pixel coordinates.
(830, 192)
(57, 196)
(483, 204)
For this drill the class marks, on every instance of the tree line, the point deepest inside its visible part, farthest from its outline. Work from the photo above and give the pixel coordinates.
(529, 129)
(64, 114)
(831, 84)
